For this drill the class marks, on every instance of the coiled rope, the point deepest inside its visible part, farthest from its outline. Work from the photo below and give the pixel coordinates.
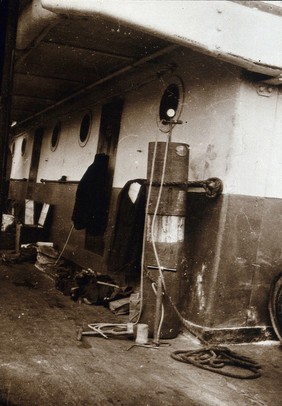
(215, 359)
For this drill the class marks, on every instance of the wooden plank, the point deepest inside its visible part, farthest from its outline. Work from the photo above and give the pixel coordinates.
(29, 212)
(44, 214)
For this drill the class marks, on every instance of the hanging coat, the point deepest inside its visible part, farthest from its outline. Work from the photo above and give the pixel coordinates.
(126, 249)
(90, 207)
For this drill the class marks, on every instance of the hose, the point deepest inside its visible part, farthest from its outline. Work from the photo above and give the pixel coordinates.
(65, 244)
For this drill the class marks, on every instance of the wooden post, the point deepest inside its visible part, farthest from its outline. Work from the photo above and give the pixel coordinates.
(8, 24)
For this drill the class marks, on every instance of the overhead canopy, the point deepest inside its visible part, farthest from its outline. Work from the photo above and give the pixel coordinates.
(66, 46)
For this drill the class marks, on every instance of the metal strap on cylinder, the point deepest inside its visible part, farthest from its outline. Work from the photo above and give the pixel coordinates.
(213, 186)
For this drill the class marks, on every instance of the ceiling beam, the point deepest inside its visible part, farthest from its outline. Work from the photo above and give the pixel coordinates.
(47, 77)
(95, 50)
(26, 96)
(101, 81)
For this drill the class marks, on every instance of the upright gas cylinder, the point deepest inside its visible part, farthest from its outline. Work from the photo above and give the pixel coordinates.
(164, 233)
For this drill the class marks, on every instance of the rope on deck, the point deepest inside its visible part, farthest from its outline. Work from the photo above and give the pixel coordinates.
(215, 359)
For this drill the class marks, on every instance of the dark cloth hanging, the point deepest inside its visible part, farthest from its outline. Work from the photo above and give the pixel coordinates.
(126, 248)
(91, 197)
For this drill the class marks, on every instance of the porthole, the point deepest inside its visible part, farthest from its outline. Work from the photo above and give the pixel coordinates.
(171, 103)
(23, 147)
(84, 131)
(13, 149)
(55, 136)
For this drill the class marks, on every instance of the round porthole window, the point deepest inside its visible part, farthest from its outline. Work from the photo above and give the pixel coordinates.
(23, 147)
(84, 129)
(13, 149)
(171, 103)
(55, 136)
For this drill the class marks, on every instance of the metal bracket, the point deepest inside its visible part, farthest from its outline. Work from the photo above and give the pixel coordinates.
(264, 90)
(162, 268)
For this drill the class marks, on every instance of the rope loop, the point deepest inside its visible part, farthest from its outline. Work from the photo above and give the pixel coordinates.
(215, 359)
(213, 187)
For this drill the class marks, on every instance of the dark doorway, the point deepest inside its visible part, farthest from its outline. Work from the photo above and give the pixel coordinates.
(107, 144)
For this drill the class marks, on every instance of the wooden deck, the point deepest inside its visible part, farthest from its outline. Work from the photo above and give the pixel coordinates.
(43, 363)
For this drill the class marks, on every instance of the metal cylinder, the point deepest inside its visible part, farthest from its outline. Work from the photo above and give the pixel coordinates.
(165, 230)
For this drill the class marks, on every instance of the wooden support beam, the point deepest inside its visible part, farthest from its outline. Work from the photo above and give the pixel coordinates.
(8, 24)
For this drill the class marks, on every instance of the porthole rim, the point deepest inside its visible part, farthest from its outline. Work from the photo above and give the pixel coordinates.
(83, 143)
(54, 147)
